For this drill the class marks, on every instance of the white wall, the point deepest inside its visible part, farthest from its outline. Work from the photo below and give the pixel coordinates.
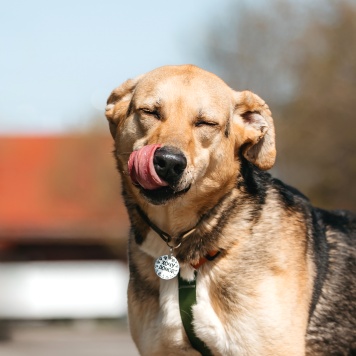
(43, 290)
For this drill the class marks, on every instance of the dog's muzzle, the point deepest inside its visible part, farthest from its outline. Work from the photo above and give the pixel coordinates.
(158, 172)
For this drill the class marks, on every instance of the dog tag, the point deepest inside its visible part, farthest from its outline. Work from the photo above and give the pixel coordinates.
(166, 267)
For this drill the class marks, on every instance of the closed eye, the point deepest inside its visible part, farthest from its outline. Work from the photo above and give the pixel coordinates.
(200, 123)
(151, 112)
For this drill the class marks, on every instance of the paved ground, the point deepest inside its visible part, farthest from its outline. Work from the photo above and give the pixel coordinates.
(75, 339)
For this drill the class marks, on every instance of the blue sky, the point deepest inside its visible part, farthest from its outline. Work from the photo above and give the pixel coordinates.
(60, 59)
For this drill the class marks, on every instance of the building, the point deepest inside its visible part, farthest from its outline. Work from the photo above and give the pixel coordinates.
(60, 211)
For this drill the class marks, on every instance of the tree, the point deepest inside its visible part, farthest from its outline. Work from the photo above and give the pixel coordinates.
(301, 58)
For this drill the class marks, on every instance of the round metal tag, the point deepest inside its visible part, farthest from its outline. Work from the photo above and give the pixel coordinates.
(166, 267)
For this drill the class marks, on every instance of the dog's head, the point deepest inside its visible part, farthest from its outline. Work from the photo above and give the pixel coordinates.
(180, 130)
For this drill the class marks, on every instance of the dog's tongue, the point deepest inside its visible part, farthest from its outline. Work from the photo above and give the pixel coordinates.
(142, 170)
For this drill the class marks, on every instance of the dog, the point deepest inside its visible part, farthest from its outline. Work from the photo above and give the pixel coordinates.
(281, 277)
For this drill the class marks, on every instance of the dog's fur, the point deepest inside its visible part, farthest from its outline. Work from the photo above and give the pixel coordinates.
(285, 280)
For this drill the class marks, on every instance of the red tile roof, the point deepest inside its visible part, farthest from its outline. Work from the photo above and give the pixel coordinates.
(60, 186)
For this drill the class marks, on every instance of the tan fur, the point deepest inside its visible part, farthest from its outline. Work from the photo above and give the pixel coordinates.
(254, 299)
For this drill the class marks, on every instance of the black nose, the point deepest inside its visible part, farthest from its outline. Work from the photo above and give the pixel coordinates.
(169, 163)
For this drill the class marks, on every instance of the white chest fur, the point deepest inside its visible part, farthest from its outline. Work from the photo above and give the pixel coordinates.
(231, 337)
(206, 323)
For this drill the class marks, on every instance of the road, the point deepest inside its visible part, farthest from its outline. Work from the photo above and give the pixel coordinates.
(74, 339)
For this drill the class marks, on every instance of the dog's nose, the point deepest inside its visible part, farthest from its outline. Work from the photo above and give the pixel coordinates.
(169, 163)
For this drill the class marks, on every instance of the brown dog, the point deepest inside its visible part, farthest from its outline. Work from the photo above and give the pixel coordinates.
(192, 154)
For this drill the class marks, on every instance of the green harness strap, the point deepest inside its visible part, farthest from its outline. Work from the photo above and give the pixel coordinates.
(187, 298)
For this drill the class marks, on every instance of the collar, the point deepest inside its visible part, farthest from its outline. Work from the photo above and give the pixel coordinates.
(168, 238)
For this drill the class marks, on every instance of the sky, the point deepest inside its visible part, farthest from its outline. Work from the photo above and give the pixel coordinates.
(59, 60)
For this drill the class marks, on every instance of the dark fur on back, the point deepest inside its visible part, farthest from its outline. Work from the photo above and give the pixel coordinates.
(332, 327)
(333, 322)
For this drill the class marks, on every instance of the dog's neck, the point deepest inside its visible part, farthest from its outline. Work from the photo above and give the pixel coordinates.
(205, 238)
(173, 219)
(172, 242)
(186, 212)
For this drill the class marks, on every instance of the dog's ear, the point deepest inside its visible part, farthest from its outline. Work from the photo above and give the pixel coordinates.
(254, 129)
(118, 103)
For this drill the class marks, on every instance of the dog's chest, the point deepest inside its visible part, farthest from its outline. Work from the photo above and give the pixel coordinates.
(170, 317)
(212, 327)
(208, 326)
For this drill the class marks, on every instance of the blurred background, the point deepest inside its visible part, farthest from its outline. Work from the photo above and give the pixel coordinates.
(63, 227)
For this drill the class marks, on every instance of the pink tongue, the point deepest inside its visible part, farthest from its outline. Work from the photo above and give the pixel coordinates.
(142, 170)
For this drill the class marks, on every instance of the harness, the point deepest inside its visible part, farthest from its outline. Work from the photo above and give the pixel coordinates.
(186, 289)
(188, 298)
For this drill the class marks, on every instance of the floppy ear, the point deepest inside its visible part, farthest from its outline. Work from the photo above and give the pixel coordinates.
(118, 103)
(254, 129)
